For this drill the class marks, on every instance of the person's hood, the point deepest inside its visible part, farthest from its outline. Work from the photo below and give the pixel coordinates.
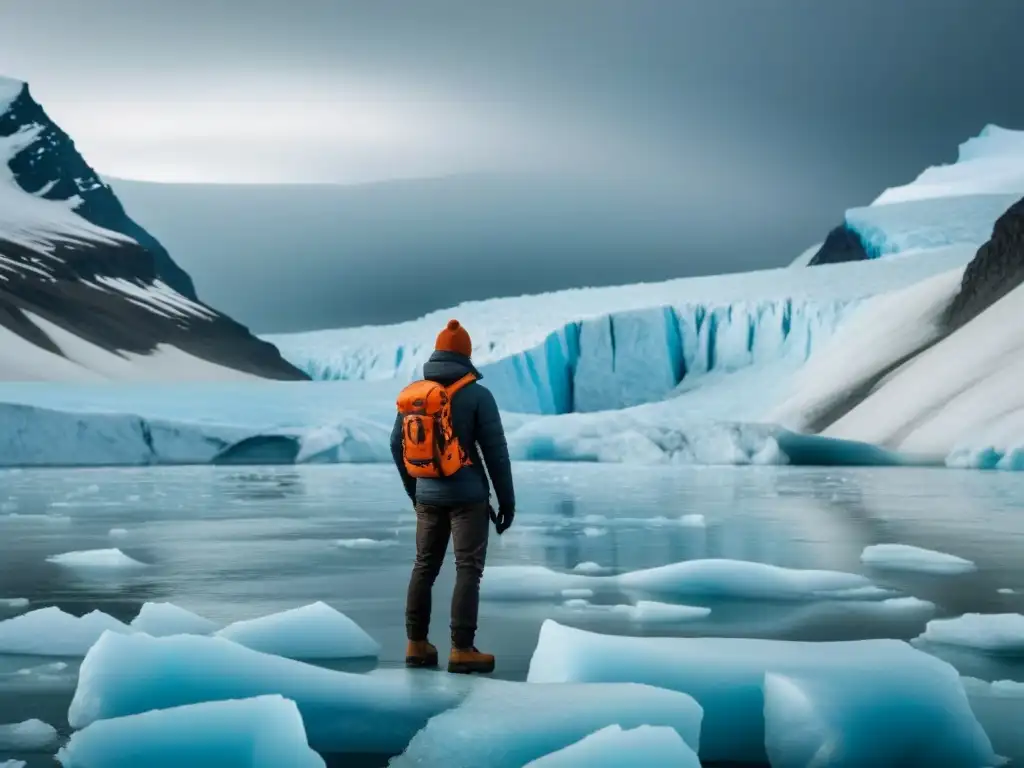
(448, 367)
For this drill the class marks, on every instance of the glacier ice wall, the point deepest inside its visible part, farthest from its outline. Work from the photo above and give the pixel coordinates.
(620, 359)
(898, 228)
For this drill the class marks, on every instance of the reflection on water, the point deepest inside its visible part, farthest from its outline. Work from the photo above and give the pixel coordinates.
(232, 544)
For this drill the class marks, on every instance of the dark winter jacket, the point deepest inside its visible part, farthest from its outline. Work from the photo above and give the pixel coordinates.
(477, 425)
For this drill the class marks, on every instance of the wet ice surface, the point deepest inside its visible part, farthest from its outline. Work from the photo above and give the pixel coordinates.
(232, 544)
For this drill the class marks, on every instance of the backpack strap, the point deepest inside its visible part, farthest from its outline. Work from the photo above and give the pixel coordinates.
(451, 389)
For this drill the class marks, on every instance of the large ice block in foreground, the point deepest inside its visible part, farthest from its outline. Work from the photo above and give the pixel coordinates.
(28, 736)
(506, 725)
(376, 713)
(314, 631)
(819, 720)
(904, 557)
(996, 633)
(725, 676)
(262, 732)
(52, 632)
(163, 619)
(644, 747)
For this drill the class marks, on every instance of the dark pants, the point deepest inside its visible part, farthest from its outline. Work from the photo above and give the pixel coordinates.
(468, 526)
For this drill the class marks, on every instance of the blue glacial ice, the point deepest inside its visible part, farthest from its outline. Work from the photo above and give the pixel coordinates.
(28, 736)
(601, 348)
(507, 725)
(717, 578)
(842, 722)
(612, 747)
(374, 713)
(52, 632)
(379, 712)
(261, 732)
(898, 228)
(992, 633)
(163, 619)
(904, 557)
(314, 631)
(726, 677)
(999, 707)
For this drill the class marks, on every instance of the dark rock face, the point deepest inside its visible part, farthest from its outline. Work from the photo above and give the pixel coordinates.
(842, 244)
(996, 269)
(121, 293)
(54, 165)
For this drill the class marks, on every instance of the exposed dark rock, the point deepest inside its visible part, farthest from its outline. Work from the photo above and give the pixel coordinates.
(842, 244)
(996, 269)
(53, 164)
(115, 293)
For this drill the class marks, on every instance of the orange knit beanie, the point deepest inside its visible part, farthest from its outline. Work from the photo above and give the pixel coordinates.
(453, 338)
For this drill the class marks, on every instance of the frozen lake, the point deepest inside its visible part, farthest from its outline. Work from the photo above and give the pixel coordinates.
(231, 544)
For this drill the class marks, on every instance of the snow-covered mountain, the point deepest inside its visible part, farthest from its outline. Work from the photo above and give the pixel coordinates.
(85, 292)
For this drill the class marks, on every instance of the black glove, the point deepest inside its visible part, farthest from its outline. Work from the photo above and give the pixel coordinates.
(504, 521)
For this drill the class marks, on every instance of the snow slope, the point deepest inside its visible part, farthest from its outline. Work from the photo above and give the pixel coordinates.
(85, 293)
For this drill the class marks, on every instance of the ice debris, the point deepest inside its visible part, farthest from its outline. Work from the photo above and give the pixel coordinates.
(725, 676)
(260, 732)
(314, 631)
(904, 557)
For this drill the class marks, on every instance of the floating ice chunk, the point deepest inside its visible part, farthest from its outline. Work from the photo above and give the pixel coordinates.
(13, 764)
(818, 720)
(577, 593)
(118, 533)
(13, 602)
(95, 558)
(693, 521)
(372, 713)
(740, 579)
(28, 736)
(999, 707)
(594, 532)
(870, 592)
(644, 747)
(262, 732)
(530, 582)
(578, 604)
(998, 633)
(713, 578)
(899, 606)
(51, 632)
(162, 619)
(364, 543)
(44, 669)
(589, 567)
(314, 631)
(904, 557)
(650, 612)
(725, 675)
(1006, 591)
(506, 725)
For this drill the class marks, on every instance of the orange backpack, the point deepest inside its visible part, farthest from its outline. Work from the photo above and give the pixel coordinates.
(429, 445)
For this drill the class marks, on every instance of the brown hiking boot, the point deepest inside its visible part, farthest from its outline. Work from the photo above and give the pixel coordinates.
(420, 653)
(465, 661)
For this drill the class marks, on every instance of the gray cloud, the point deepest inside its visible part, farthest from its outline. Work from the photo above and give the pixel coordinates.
(760, 122)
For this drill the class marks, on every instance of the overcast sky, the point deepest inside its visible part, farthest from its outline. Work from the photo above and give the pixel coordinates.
(764, 118)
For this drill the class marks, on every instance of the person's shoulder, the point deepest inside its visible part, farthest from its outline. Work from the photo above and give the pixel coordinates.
(481, 394)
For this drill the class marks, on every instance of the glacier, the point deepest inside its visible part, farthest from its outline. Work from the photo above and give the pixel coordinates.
(593, 349)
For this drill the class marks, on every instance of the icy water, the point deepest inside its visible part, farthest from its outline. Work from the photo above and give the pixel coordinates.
(232, 544)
